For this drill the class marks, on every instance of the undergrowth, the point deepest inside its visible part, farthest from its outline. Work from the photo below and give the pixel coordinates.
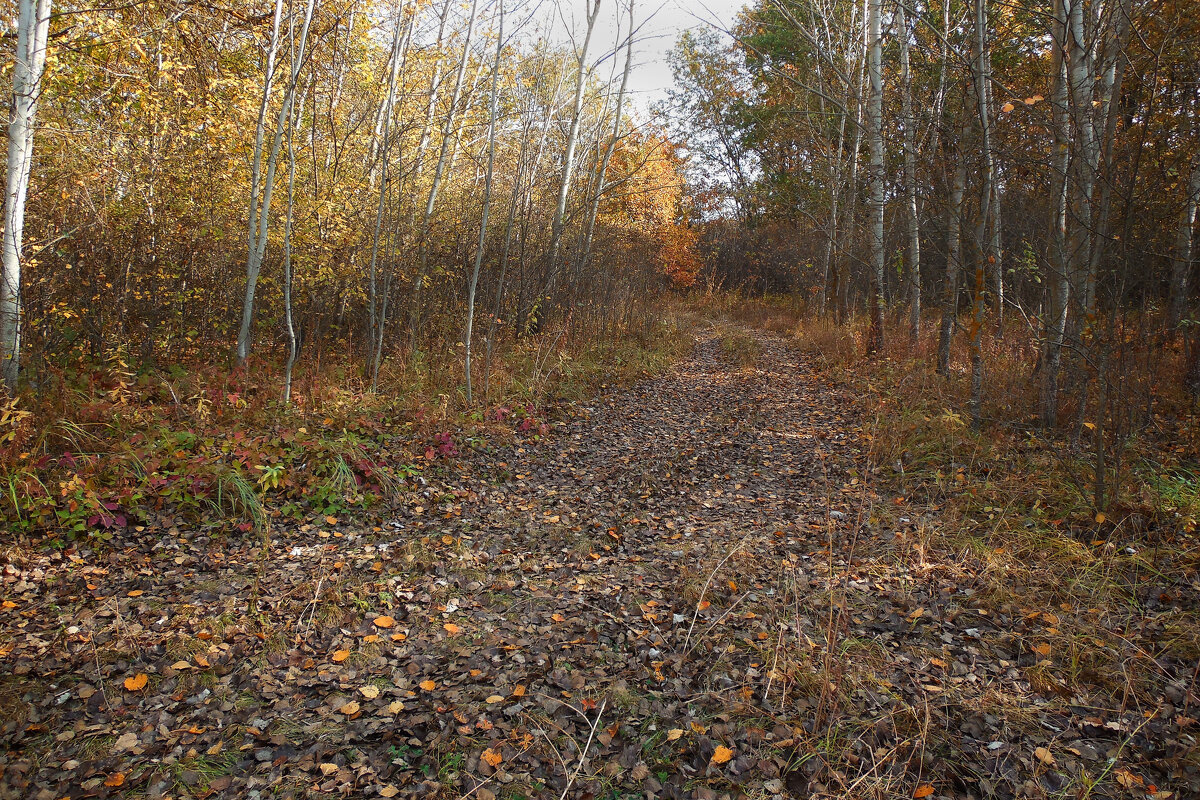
(104, 447)
(1019, 500)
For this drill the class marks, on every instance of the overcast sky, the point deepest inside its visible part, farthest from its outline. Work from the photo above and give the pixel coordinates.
(667, 19)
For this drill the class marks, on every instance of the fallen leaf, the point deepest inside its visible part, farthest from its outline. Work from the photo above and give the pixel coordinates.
(492, 757)
(451, 628)
(115, 780)
(427, 685)
(370, 692)
(134, 593)
(674, 734)
(1044, 756)
(181, 665)
(350, 709)
(384, 622)
(495, 699)
(722, 754)
(923, 791)
(519, 691)
(137, 682)
(389, 791)
(340, 656)
(328, 768)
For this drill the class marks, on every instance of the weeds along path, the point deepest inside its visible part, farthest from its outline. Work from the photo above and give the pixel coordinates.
(687, 580)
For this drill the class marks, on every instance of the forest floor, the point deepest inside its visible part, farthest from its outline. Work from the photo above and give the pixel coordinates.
(695, 582)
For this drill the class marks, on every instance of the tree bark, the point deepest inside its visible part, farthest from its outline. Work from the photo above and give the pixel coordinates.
(493, 113)
(258, 247)
(33, 27)
(876, 171)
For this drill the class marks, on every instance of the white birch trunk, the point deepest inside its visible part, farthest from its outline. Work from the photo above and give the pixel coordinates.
(564, 187)
(33, 29)
(258, 247)
(493, 114)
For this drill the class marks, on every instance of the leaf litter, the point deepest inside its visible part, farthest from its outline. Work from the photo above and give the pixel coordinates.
(683, 590)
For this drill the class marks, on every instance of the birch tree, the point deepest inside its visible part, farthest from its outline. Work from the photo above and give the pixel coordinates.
(260, 211)
(875, 177)
(910, 177)
(33, 27)
(568, 167)
(473, 282)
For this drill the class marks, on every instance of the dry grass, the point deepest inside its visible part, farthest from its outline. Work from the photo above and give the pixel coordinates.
(1109, 590)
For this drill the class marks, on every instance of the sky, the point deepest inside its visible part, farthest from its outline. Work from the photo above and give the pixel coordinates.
(651, 75)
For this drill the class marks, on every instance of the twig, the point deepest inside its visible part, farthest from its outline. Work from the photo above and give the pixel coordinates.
(583, 753)
(696, 612)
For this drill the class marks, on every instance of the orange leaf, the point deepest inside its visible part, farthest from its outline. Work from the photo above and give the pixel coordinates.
(399, 637)
(922, 791)
(519, 691)
(492, 757)
(428, 685)
(384, 622)
(137, 682)
(340, 655)
(451, 628)
(135, 593)
(115, 780)
(721, 755)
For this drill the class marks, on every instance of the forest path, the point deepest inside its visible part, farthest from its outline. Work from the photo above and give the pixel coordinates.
(689, 574)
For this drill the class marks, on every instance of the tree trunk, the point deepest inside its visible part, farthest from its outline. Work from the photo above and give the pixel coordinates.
(564, 186)
(258, 247)
(493, 113)
(439, 172)
(953, 255)
(1181, 257)
(1060, 278)
(910, 179)
(982, 76)
(33, 27)
(876, 170)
